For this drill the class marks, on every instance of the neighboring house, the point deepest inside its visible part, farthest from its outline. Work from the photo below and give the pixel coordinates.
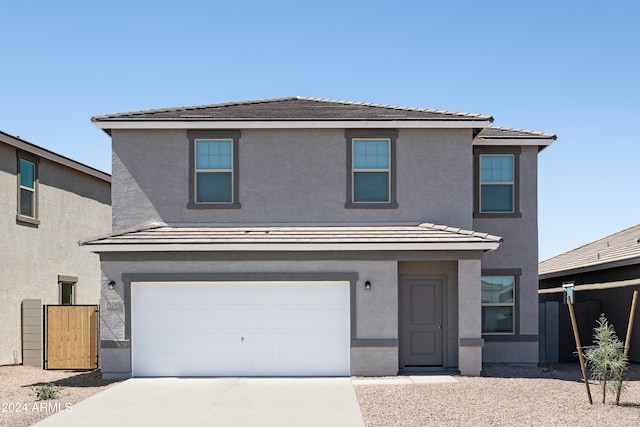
(48, 204)
(298, 236)
(603, 273)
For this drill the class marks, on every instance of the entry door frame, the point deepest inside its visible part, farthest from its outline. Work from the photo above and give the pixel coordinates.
(401, 309)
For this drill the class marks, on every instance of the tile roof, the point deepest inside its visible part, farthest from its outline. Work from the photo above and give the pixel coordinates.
(495, 132)
(168, 236)
(623, 246)
(292, 108)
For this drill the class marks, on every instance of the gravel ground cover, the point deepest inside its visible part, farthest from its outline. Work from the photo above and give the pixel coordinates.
(503, 396)
(19, 405)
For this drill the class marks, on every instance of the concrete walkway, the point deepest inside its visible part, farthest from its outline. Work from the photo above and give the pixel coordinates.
(189, 402)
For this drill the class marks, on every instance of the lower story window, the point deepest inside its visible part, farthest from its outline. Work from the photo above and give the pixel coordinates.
(66, 294)
(498, 296)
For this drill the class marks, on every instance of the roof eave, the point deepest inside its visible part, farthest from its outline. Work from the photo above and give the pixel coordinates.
(290, 124)
(589, 268)
(41, 152)
(540, 142)
(279, 247)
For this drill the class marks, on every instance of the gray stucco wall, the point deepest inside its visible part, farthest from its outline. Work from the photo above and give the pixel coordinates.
(291, 176)
(299, 177)
(72, 207)
(518, 251)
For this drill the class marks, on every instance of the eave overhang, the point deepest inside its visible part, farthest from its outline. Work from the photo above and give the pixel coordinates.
(281, 247)
(109, 125)
(422, 237)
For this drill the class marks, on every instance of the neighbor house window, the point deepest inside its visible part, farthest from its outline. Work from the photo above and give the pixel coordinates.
(66, 293)
(496, 179)
(27, 189)
(67, 289)
(498, 304)
(214, 168)
(371, 176)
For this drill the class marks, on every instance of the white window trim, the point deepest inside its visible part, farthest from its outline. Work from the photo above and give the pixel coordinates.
(354, 170)
(512, 183)
(512, 304)
(197, 171)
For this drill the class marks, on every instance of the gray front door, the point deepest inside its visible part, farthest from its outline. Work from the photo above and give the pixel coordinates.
(421, 321)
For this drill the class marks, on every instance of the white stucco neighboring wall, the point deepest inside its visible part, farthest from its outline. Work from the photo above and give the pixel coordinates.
(72, 206)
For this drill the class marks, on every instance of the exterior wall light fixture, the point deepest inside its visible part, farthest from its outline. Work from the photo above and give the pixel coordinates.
(367, 285)
(111, 285)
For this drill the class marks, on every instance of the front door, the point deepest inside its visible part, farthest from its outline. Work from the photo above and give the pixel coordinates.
(421, 321)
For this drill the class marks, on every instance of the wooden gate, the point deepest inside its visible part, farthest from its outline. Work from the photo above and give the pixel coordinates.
(72, 336)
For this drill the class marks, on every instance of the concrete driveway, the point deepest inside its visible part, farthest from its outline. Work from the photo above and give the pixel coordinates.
(189, 402)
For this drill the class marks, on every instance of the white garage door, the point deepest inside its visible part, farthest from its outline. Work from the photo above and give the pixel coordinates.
(240, 329)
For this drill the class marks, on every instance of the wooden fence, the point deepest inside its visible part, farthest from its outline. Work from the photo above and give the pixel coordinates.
(72, 336)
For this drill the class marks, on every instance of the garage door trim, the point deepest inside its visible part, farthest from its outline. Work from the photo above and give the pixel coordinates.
(129, 278)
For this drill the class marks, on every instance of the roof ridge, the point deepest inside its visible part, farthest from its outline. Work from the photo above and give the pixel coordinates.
(144, 227)
(394, 107)
(458, 230)
(194, 107)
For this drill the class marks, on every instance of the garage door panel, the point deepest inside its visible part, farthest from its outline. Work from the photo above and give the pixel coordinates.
(335, 315)
(248, 328)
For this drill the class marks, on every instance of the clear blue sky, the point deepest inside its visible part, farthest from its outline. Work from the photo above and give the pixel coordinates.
(566, 67)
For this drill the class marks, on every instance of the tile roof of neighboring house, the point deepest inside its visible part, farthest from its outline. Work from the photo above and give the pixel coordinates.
(494, 132)
(620, 248)
(292, 108)
(171, 238)
(23, 145)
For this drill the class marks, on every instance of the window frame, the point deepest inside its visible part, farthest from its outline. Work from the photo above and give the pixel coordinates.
(67, 281)
(352, 135)
(504, 272)
(33, 220)
(197, 135)
(480, 152)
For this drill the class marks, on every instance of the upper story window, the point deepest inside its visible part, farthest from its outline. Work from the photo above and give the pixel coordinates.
(498, 304)
(496, 182)
(214, 169)
(27, 189)
(371, 169)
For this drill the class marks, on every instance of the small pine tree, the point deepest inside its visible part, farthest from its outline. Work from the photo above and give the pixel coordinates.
(605, 359)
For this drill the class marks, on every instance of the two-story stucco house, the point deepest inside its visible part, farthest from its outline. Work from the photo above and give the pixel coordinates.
(303, 236)
(49, 203)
